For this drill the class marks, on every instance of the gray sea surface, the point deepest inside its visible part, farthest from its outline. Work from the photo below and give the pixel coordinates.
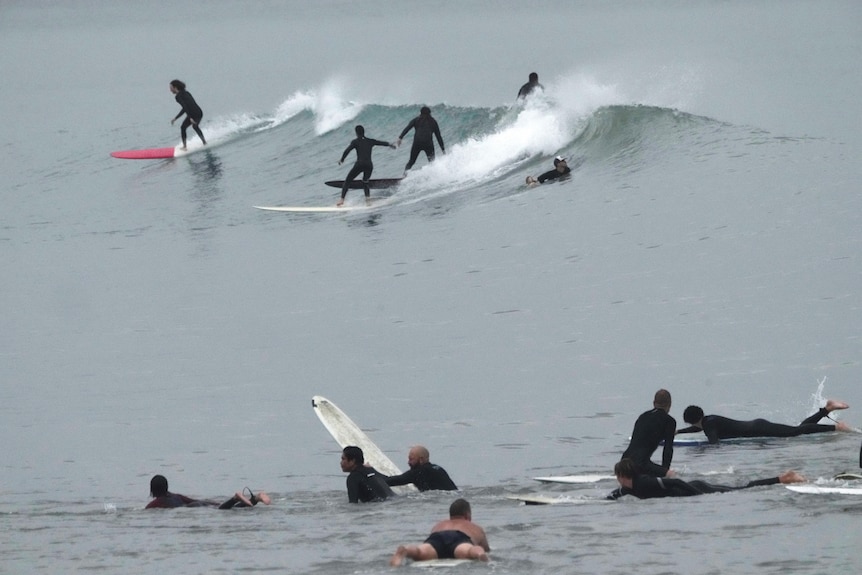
(706, 242)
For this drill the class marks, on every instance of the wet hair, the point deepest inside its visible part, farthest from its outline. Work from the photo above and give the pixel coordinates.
(353, 453)
(692, 414)
(181, 86)
(662, 399)
(360, 131)
(534, 77)
(425, 111)
(459, 508)
(158, 486)
(625, 468)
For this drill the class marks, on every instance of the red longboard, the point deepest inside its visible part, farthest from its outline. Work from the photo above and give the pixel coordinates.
(149, 154)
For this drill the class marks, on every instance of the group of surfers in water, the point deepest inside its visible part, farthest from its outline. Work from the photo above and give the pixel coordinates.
(458, 537)
(425, 129)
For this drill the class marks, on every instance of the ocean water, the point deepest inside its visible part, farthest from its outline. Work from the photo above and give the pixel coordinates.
(155, 322)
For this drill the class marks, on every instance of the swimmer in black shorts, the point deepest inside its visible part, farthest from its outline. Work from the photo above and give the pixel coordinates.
(717, 427)
(454, 538)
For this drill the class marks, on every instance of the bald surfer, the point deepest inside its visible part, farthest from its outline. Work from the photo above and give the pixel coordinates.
(164, 499)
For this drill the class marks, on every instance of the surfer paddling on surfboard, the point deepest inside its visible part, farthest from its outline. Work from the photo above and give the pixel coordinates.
(454, 538)
(164, 499)
(717, 427)
(363, 147)
(190, 108)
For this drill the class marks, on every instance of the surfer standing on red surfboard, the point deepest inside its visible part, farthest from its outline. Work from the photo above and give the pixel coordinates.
(190, 108)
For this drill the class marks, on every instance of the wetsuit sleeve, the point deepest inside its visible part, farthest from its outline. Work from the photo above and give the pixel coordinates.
(710, 428)
(550, 175)
(409, 127)
(380, 143)
(759, 482)
(181, 100)
(403, 479)
(439, 137)
(347, 150)
(353, 488)
(667, 452)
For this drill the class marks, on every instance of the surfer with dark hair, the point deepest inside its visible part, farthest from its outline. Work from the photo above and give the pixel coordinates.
(528, 88)
(632, 482)
(717, 427)
(190, 108)
(423, 138)
(364, 483)
(454, 538)
(561, 169)
(164, 499)
(363, 147)
(423, 474)
(651, 428)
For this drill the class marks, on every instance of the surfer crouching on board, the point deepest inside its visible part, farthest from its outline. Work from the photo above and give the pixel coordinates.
(363, 147)
(164, 499)
(717, 427)
(632, 482)
(423, 474)
(454, 538)
(364, 483)
(190, 108)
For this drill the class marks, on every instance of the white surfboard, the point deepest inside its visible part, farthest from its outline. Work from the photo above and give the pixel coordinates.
(570, 479)
(848, 475)
(313, 209)
(555, 500)
(437, 563)
(823, 490)
(346, 432)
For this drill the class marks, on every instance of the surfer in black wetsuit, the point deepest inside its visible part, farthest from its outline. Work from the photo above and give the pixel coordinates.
(363, 147)
(422, 473)
(190, 108)
(528, 88)
(561, 169)
(648, 487)
(364, 483)
(717, 427)
(423, 138)
(651, 428)
(164, 499)
(454, 538)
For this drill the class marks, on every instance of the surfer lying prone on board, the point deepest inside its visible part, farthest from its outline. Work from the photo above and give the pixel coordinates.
(717, 427)
(364, 483)
(164, 499)
(561, 170)
(454, 538)
(363, 147)
(422, 473)
(649, 487)
(190, 108)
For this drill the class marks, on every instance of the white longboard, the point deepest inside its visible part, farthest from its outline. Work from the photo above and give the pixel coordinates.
(557, 500)
(571, 479)
(437, 563)
(313, 209)
(823, 490)
(848, 475)
(346, 432)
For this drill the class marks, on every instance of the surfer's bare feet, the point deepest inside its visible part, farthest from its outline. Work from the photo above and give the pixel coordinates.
(239, 495)
(398, 556)
(183, 148)
(791, 477)
(339, 204)
(841, 426)
(833, 405)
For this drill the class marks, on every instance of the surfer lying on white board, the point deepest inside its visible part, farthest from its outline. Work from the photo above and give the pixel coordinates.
(454, 538)
(190, 108)
(422, 473)
(164, 499)
(717, 427)
(649, 487)
(363, 147)
(364, 483)
(561, 170)
(651, 428)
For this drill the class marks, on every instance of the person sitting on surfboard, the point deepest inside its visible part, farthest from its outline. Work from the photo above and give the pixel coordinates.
(164, 499)
(454, 538)
(363, 147)
(632, 482)
(561, 169)
(422, 473)
(426, 128)
(190, 108)
(717, 427)
(651, 428)
(364, 483)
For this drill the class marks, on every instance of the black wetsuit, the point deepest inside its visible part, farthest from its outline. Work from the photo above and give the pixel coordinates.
(425, 477)
(527, 89)
(554, 174)
(363, 147)
(651, 428)
(717, 427)
(649, 487)
(366, 484)
(172, 500)
(445, 542)
(192, 111)
(426, 128)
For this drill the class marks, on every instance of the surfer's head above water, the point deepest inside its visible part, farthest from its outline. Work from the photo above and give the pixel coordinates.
(360, 131)
(178, 85)
(158, 486)
(425, 111)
